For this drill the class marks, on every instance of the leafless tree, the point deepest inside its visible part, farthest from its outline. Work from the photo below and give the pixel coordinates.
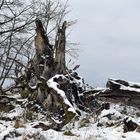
(34, 66)
(17, 31)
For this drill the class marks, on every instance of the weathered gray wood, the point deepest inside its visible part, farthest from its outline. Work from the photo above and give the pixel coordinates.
(44, 53)
(60, 48)
(49, 62)
(121, 91)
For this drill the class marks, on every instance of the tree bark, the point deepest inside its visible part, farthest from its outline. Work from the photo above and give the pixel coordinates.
(53, 87)
(44, 53)
(60, 47)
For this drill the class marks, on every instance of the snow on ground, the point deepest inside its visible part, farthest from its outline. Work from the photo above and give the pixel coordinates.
(106, 126)
(99, 125)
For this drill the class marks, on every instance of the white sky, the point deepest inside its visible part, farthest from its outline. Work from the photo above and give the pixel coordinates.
(109, 36)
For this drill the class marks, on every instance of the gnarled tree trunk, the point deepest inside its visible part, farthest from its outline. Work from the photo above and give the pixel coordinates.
(54, 86)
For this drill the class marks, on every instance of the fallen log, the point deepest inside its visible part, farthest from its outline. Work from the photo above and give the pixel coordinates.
(121, 91)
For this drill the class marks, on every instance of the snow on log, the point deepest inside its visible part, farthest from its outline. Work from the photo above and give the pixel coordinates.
(121, 91)
(54, 85)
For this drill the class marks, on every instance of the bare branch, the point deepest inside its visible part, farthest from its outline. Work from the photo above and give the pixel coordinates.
(1, 4)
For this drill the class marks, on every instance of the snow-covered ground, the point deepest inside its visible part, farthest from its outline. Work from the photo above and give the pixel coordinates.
(22, 119)
(106, 125)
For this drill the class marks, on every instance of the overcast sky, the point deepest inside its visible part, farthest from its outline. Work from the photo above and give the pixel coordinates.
(109, 36)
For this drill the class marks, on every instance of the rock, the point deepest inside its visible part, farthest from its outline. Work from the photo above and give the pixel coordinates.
(6, 107)
(43, 126)
(33, 136)
(129, 125)
(11, 135)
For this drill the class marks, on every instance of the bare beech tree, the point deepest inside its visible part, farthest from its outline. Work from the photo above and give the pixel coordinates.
(17, 31)
(33, 53)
